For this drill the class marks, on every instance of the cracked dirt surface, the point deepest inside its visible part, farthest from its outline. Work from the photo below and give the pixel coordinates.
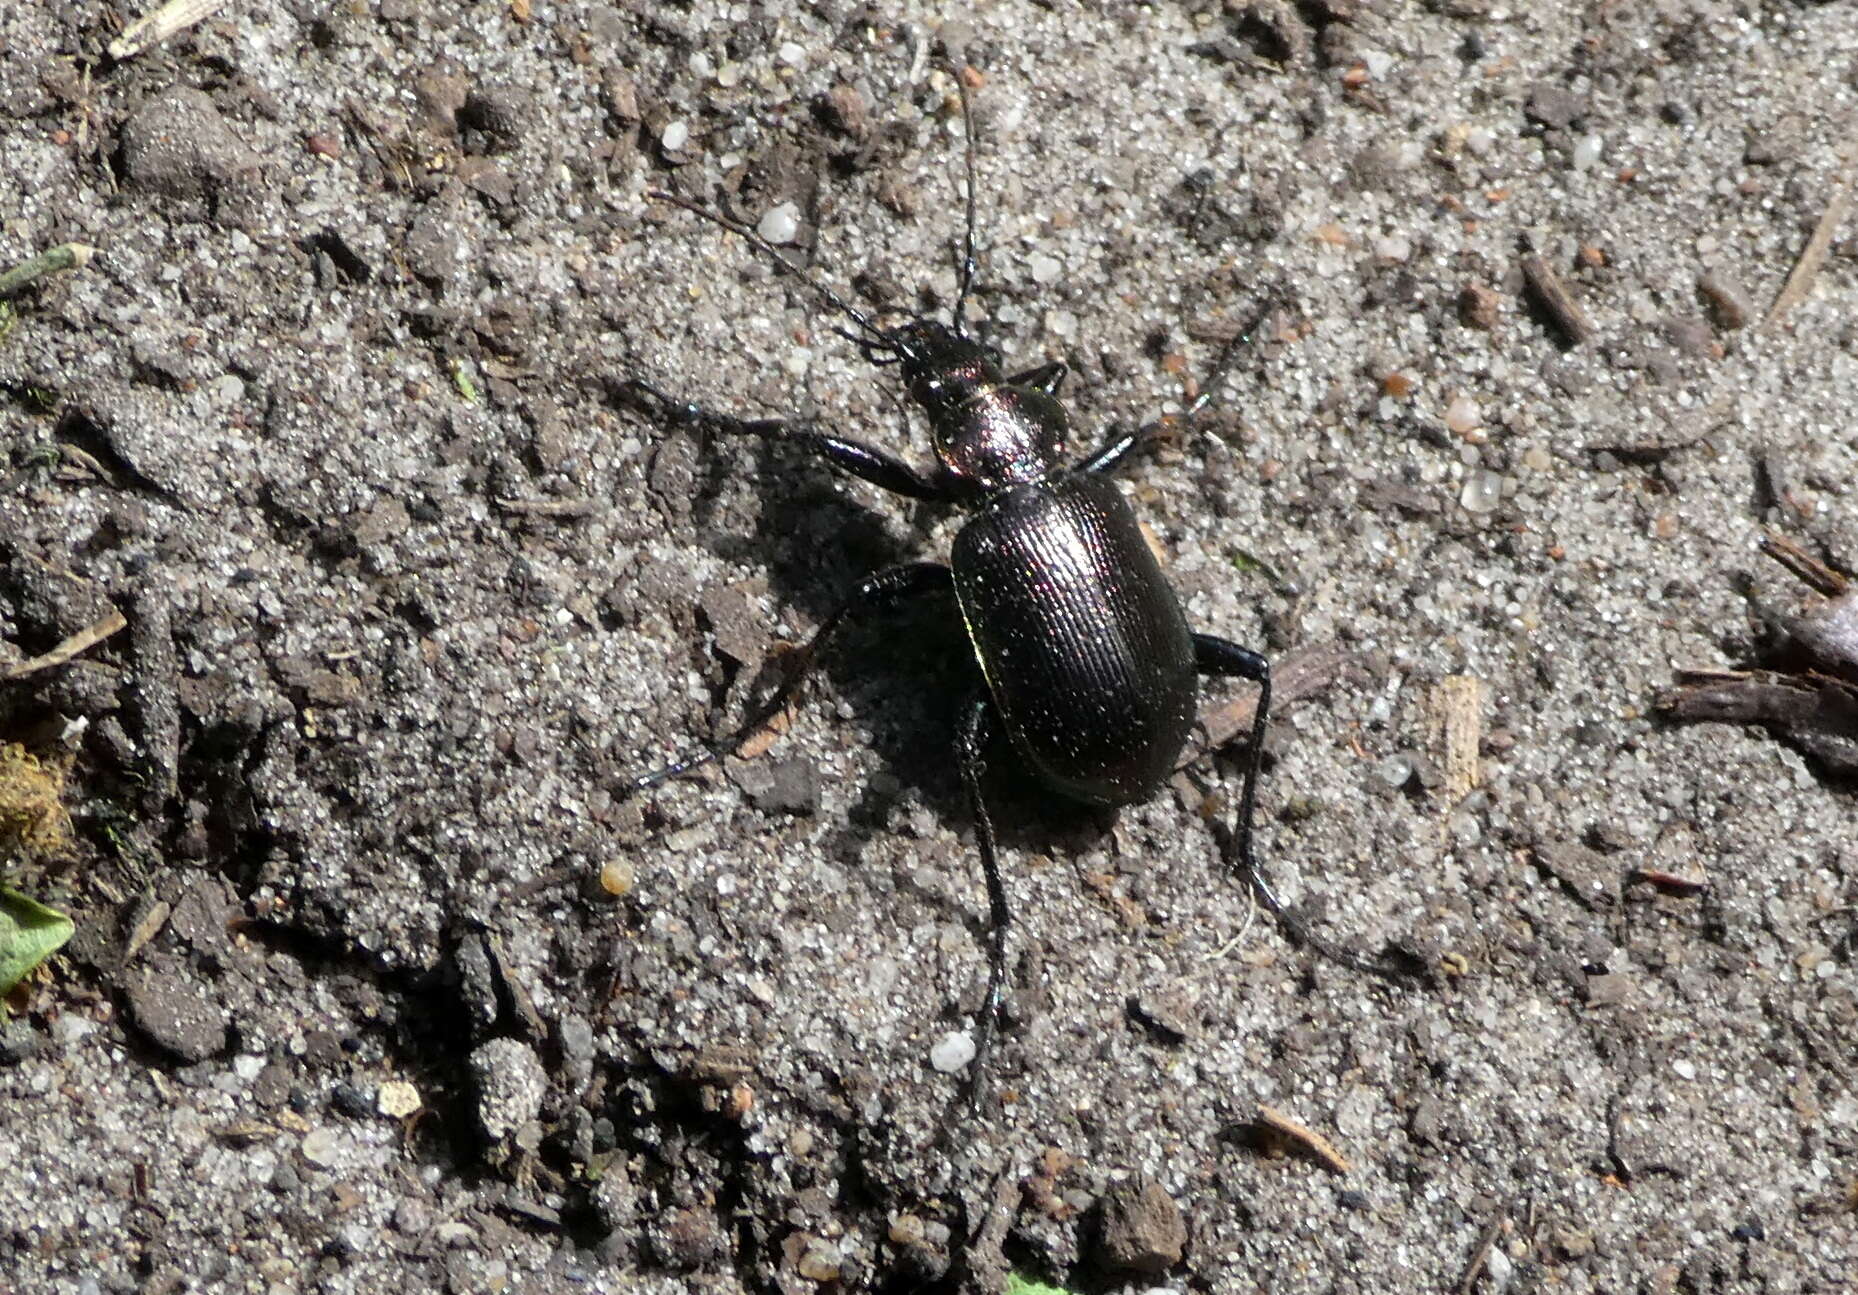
(381, 979)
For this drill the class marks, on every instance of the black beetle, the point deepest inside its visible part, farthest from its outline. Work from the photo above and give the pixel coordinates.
(1089, 664)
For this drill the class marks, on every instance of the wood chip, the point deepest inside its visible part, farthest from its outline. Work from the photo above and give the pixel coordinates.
(1672, 883)
(1280, 1127)
(147, 927)
(1457, 718)
(153, 28)
(245, 1133)
(86, 638)
(759, 742)
(1554, 297)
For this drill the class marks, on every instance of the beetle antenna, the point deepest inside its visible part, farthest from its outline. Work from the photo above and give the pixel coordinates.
(967, 240)
(874, 338)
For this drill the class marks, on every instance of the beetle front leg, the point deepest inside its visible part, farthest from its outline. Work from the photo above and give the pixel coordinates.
(970, 745)
(854, 458)
(878, 592)
(1113, 453)
(1045, 377)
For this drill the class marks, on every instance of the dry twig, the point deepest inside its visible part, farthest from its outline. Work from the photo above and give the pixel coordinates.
(88, 637)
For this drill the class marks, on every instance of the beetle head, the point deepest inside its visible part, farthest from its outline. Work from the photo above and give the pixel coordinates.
(941, 367)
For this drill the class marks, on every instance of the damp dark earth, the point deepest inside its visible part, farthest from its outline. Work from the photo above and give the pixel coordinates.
(346, 589)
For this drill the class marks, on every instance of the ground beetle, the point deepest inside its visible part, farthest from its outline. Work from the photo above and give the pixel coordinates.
(1089, 664)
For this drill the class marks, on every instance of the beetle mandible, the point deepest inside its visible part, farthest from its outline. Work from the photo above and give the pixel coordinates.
(1087, 661)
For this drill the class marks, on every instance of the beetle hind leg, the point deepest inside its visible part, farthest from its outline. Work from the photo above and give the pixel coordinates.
(1217, 656)
(970, 746)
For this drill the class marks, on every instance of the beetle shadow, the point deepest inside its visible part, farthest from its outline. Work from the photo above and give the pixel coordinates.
(906, 672)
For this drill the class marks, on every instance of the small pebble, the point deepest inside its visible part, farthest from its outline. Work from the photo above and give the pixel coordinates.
(1586, 152)
(1463, 415)
(350, 1100)
(780, 224)
(676, 134)
(689, 838)
(397, 1099)
(1727, 302)
(321, 1147)
(953, 1051)
(70, 1030)
(455, 1235)
(1483, 490)
(1685, 1070)
(1395, 771)
(617, 878)
(510, 1085)
(821, 1262)
(1477, 306)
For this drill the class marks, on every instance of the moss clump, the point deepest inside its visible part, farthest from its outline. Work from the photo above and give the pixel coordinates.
(33, 819)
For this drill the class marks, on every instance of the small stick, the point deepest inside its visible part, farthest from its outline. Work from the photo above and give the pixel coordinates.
(1806, 269)
(1298, 674)
(546, 507)
(66, 256)
(1320, 1148)
(1789, 554)
(1556, 299)
(1479, 1256)
(152, 28)
(87, 637)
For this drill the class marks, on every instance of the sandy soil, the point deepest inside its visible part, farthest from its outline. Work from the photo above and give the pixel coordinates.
(336, 418)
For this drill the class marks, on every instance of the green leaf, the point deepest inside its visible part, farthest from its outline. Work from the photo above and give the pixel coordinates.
(1017, 1285)
(29, 934)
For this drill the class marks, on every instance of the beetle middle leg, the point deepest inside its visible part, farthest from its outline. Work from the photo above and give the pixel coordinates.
(1221, 657)
(879, 592)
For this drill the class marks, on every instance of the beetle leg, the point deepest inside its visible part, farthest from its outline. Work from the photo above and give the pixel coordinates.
(1217, 656)
(1045, 377)
(1113, 453)
(876, 592)
(976, 728)
(854, 458)
(1119, 447)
